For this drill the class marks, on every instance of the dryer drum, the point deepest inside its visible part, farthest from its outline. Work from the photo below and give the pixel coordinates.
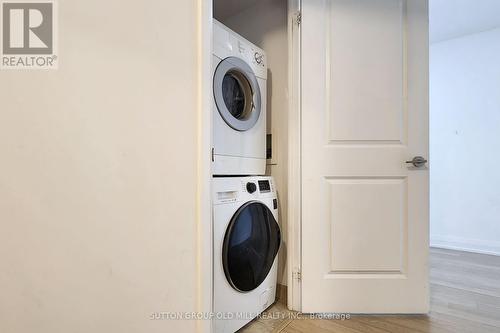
(237, 94)
(251, 243)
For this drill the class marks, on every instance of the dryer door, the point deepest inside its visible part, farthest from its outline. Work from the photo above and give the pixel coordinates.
(237, 94)
(250, 246)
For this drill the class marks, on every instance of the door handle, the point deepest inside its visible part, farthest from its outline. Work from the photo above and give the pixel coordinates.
(417, 161)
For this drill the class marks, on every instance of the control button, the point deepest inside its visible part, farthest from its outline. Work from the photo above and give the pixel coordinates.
(251, 187)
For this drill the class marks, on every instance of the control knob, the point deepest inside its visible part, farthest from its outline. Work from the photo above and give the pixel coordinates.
(251, 187)
(258, 58)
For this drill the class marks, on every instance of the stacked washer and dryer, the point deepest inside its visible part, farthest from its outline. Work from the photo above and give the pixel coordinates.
(246, 234)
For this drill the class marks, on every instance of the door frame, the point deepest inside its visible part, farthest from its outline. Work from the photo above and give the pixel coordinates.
(204, 300)
(294, 223)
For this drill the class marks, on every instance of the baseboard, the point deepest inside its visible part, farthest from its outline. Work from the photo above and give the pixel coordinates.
(281, 294)
(464, 244)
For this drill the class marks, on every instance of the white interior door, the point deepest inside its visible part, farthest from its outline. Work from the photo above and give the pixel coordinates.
(365, 211)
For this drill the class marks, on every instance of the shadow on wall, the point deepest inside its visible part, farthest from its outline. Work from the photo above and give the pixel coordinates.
(236, 14)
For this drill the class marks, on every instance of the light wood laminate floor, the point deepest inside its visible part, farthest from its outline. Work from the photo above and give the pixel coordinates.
(465, 298)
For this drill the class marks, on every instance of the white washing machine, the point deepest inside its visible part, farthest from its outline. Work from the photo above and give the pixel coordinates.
(246, 240)
(239, 104)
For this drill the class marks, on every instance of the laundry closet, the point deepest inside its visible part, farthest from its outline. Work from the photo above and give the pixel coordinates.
(347, 113)
(265, 24)
(249, 155)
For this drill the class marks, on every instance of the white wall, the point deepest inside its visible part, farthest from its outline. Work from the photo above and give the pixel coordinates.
(265, 24)
(465, 142)
(98, 174)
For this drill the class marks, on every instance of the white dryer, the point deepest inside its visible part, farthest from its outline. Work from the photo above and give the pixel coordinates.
(246, 240)
(239, 104)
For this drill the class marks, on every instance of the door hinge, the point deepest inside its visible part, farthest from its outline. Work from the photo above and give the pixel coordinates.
(298, 18)
(213, 154)
(297, 275)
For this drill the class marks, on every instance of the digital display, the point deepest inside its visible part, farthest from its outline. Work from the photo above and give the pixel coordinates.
(264, 186)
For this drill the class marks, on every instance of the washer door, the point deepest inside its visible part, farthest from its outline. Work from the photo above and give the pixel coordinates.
(250, 246)
(237, 94)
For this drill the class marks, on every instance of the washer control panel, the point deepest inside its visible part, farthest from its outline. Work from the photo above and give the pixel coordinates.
(257, 186)
(237, 189)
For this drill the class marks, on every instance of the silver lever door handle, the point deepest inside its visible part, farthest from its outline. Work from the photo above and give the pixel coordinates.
(417, 161)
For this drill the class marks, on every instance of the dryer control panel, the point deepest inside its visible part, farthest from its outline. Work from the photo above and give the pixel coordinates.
(227, 43)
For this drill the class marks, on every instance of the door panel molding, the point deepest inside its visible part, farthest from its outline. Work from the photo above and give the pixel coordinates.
(352, 230)
(337, 93)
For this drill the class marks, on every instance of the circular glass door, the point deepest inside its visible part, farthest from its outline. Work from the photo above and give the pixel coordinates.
(237, 94)
(250, 246)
